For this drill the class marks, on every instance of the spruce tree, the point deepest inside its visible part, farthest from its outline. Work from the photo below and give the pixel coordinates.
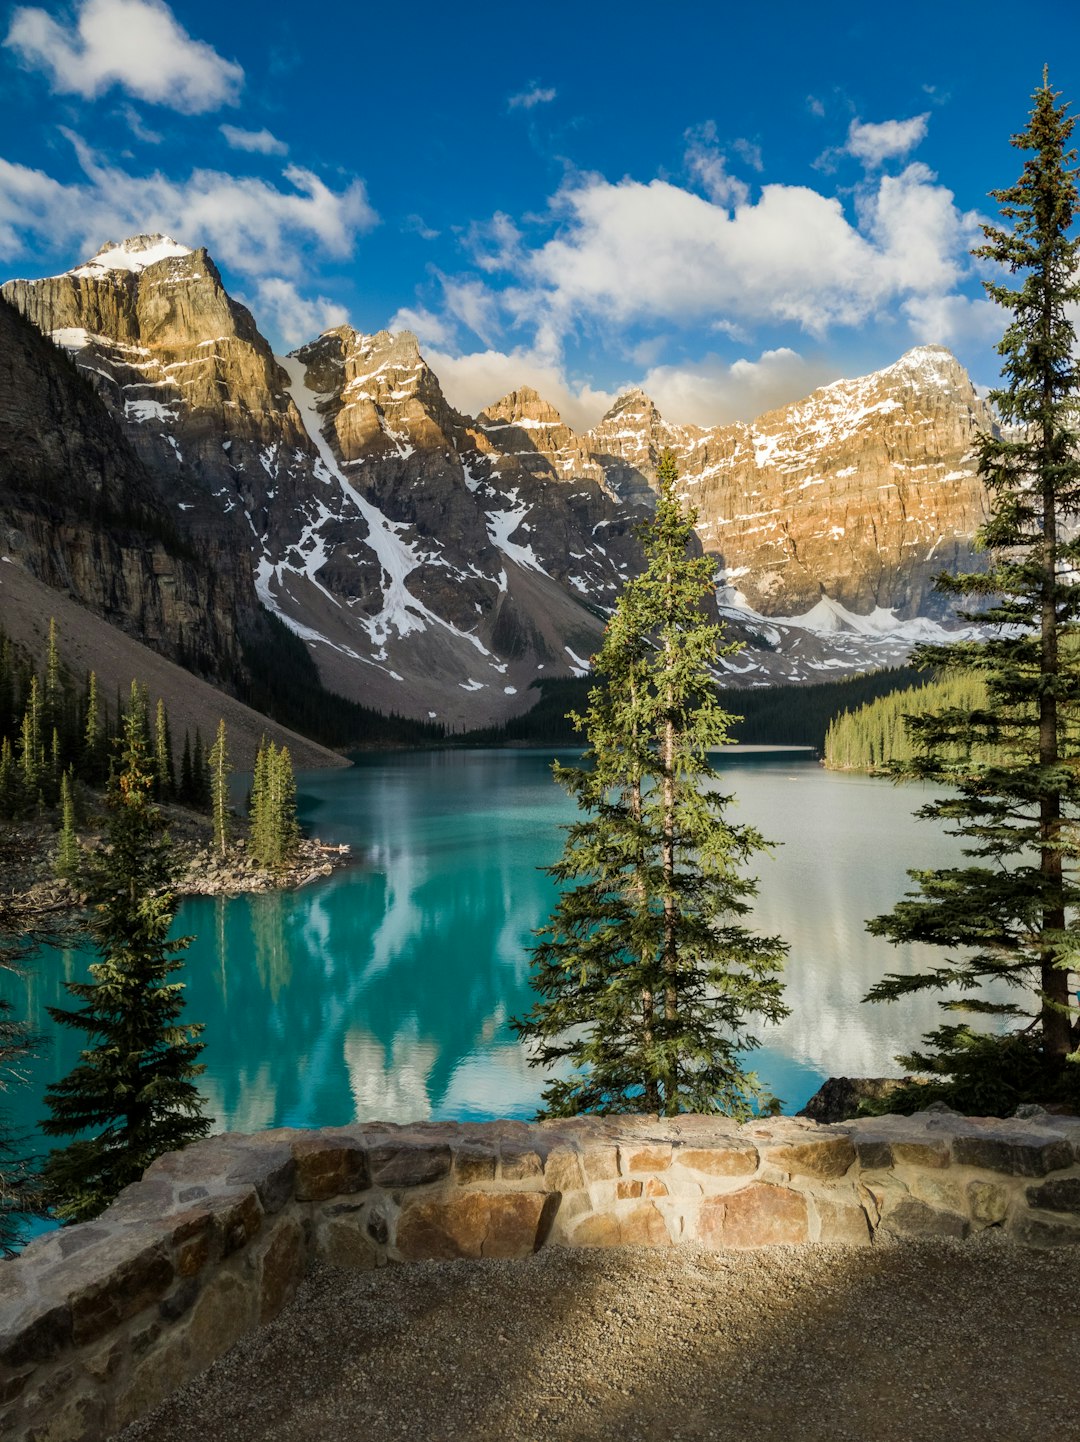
(274, 831)
(165, 780)
(649, 982)
(68, 852)
(1010, 913)
(132, 1096)
(219, 789)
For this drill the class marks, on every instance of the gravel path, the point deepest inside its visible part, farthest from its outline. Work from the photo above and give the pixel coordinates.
(902, 1342)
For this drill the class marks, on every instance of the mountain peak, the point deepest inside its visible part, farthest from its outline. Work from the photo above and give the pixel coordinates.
(133, 254)
(523, 407)
(633, 404)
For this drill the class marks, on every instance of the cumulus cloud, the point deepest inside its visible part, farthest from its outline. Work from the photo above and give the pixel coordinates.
(473, 382)
(714, 392)
(953, 320)
(281, 308)
(428, 328)
(134, 44)
(532, 96)
(249, 224)
(633, 252)
(873, 144)
(259, 142)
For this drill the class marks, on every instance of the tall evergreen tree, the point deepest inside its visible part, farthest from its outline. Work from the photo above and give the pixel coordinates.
(649, 982)
(165, 779)
(1010, 915)
(274, 831)
(219, 789)
(68, 852)
(134, 1089)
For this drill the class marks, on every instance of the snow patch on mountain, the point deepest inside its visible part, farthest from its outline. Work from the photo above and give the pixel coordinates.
(133, 255)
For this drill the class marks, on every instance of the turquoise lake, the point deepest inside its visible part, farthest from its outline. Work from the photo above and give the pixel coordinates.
(385, 991)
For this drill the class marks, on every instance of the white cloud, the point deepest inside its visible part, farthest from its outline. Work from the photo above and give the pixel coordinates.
(954, 320)
(135, 44)
(634, 253)
(261, 142)
(419, 226)
(138, 129)
(428, 328)
(248, 224)
(534, 95)
(279, 307)
(713, 392)
(473, 382)
(888, 140)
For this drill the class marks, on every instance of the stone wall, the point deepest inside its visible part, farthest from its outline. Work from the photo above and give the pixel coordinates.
(99, 1322)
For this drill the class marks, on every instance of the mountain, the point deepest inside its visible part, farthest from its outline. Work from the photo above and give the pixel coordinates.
(436, 564)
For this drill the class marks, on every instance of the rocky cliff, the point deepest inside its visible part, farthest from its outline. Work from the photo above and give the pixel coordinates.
(79, 510)
(436, 563)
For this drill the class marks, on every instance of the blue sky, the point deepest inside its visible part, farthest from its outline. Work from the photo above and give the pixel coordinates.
(726, 204)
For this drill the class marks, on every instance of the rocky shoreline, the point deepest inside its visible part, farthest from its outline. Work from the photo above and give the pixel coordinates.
(45, 902)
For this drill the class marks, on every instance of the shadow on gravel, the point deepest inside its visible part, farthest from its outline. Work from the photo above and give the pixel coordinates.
(916, 1342)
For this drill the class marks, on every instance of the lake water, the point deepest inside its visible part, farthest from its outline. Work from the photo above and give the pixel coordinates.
(385, 991)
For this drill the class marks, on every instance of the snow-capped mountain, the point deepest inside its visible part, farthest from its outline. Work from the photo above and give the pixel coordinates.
(436, 564)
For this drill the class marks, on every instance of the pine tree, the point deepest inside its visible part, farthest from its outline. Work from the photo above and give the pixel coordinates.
(94, 756)
(186, 791)
(133, 1090)
(648, 980)
(1010, 914)
(274, 831)
(68, 852)
(164, 777)
(219, 789)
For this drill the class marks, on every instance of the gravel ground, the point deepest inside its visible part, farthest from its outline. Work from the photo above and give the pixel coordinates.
(902, 1342)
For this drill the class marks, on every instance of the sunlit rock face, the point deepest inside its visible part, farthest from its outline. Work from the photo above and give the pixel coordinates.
(438, 564)
(80, 511)
(430, 570)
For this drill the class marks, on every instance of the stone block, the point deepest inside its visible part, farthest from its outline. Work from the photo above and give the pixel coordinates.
(271, 1170)
(912, 1218)
(818, 1156)
(943, 1192)
(1060, 1194)
(474, 1164)
(409, 1164)
(1032, 1229)
(601, 1163)
(226, 1310)
(519, 1164)
(642, 1226)
(281, 1259)
(736, 1160)
(874, 1154)
(120, 1274)
(987, 1202)
(1015, 1153)
(153, 1378)
(476, 1224)
(933, 1153)
(760, 1215)
(236, 1217)
(842, 1223)
(329, 1166)
(79, 1417)
(344, 1242)
(628, 1187)
(649, 1157)
(35, 1332)
(654, 1187)
(562, 1171)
